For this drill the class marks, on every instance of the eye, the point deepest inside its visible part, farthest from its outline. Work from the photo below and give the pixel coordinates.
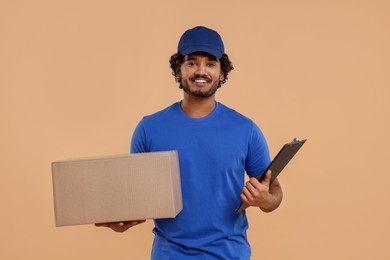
(190, 63)
(211, 64)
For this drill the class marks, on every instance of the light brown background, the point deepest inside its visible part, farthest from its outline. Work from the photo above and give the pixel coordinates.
(77, 76)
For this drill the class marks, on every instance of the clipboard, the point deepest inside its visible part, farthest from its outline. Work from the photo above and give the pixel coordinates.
(278, 163)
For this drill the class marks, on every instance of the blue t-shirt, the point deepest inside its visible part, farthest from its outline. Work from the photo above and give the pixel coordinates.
(214, 153)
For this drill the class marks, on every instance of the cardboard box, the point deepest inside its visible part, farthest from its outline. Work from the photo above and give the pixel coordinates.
(117, 188)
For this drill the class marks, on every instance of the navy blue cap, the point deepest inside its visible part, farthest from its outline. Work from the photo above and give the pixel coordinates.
(201, 39)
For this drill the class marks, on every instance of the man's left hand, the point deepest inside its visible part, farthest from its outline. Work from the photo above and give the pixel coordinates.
(261, 194)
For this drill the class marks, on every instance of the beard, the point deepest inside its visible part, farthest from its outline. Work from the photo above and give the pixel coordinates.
(199, 93)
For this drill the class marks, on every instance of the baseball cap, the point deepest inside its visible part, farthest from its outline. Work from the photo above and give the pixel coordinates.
(203, 39)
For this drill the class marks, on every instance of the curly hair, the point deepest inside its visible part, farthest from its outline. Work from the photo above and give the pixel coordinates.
(226, 65)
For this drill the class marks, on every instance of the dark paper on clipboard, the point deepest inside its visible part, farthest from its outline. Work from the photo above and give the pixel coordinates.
(278, 163)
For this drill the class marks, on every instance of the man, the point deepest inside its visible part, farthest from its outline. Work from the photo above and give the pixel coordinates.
(216, 146)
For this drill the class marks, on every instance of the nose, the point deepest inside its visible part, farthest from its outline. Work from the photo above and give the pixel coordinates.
(201, 69)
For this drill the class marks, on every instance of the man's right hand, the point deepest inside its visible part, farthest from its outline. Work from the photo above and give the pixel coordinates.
(121, 226)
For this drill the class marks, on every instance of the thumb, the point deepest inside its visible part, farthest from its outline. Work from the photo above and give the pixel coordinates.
(267, 178)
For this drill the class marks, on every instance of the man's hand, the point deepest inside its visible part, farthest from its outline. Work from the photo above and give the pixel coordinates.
(261, 194)
(121, 226)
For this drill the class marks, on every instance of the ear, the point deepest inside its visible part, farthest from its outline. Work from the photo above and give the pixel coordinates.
(221, 76)
(177, 75)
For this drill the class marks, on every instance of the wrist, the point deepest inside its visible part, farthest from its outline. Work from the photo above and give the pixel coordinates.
(267, 207)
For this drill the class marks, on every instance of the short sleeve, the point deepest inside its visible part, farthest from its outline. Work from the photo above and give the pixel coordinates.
(138, 141)
(258, 157)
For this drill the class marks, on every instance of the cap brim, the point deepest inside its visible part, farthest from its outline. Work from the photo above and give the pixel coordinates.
(215, 52)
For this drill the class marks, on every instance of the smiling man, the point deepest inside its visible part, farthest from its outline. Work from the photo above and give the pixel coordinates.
(203, 72)
(216, 146)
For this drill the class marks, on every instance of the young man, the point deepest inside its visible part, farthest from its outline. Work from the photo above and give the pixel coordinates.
(216, 146)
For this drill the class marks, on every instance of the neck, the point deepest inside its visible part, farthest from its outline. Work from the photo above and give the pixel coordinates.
(197, 107)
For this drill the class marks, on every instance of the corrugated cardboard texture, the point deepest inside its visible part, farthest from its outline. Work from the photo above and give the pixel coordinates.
(117, 188)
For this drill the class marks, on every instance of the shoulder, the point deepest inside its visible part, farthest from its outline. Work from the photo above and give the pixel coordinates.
(239, 121)
(163, 114)
(232, 114)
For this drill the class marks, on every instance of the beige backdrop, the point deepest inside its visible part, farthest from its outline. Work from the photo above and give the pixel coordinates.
(77, 76)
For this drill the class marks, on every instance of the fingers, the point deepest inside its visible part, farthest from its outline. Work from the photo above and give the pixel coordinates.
(254, 191)
(120, 226)
(249, 191)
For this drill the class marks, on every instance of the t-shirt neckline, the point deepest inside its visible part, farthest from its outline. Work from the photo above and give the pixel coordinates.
(196, 119)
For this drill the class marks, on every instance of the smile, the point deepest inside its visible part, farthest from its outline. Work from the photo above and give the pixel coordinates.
(200, 80)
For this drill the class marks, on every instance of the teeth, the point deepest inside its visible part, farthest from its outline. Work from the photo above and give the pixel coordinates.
(200, 81)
